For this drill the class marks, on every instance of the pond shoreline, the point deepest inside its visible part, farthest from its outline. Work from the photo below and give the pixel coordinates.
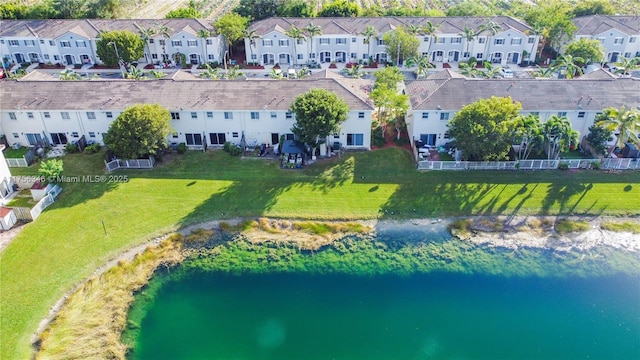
(502, 232)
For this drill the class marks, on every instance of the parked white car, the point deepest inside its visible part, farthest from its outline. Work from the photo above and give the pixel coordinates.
(506, 73)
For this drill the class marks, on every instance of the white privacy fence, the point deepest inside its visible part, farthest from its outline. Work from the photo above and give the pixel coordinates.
(609, 163)
(45, 202)
(130, 164)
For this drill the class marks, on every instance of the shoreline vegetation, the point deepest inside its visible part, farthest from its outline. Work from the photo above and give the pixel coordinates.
(102, 315)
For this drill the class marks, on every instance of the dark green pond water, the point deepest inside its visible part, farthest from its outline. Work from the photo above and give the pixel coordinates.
(216, 315)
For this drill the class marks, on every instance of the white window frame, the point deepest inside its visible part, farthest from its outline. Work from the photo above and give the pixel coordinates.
(91, 115)
(255, 115)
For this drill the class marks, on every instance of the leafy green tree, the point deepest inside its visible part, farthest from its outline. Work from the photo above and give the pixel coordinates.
(593, 7)
(484, 129)
(69, 74)
(555, 18)
(319, 113)
(340, 8)
(183, 13)
(390, 103)
(135, 74)
(569, 64)
(140, 130)
(591, 50)
(625, 122)
(401, 45)
(232, 26)
(558, 136)
(296, 8)
(129, 47)
(233, 73)
(388, 77)
(469, 8)
(14, 11)
(599, 135)
(51, 169)
(258, 9)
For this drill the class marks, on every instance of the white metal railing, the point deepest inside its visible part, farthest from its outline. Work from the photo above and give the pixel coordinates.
(130, 164)
(17, 162)
(609, 164)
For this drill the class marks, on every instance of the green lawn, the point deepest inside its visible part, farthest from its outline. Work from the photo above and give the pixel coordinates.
(67, 243)
(11, 153)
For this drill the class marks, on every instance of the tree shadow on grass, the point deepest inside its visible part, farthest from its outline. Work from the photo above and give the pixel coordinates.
(561, 199)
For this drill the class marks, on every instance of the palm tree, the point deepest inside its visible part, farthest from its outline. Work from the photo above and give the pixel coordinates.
(234, 73)
(469, 68)
(490, 71)
(210, 73)
(252, 35)
(295, 34)
(276, 74)
(468, 35)
(492, 28)
(354, 71)
(569, 64)
(204, 34)
(430, 29)
(542, 72)
(135, 74)
(528, 133)
(156, 74)
(68, 74)
(626, 122)
(413, 30)
(624, 66)
(369, 33)
(165, 32)
(146, 35)
(558, 136)
(422, 63)
(311, 31)
(536, 30)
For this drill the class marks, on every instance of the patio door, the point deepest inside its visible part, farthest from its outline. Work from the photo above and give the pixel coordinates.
(217, 138)
(275, 138)
(58, 138)
(34, 139)
(19, 58)
(193, 139)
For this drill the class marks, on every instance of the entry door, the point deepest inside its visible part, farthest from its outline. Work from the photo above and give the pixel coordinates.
(325, 56)
(19, 58)
(69, 59)
(275, 138)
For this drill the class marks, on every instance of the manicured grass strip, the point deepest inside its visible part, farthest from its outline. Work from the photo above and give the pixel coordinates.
(621, 226)
(67, 243)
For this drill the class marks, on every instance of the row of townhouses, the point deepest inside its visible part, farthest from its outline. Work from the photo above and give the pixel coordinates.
(71, 42)
(210, 112)
(203, 112)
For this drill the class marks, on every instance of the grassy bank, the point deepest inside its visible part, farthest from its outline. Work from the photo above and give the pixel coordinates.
(68, 241)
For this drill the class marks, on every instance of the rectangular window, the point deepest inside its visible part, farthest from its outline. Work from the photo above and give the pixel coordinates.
(255, 115)
(91, 115)
(192, 43)
(354, 55)
(425, 115)
(176, 43)
(498, 41)
(479, 56)
(532, 40)
(300, 56)
(562, 113)
(12, 116)
(154, 56)
(14, 43)
(65, 115)
(150, 41)
(274, 115)
(312, 56)
(466, 55)
(65, 44)
(194, 115)
(632, 39)
(425, 39)
(210, 114)
(92, 134)
(51, 43)
(175, 116)
(355, 139)
(440, 40)
(56, 57)
(289, 115)
(601, 40)
(234, 134)
(627, 55)
(47, 115)
(30, 115)
(618, 41)
(75, 134)
(253, 56)
(30, 42)
(209, 42)
(46, 56)
(109, 115)
(283, 42)
(267, 42)
(456, 40)
(16, 135)
(353, 40)
(324, 41)
(193, 139)
(581, 114)
(481, 40)
(381, 42)
(162, 42)
(444, 116)
(341, 41)
(298, 41)
(365, 56)
(516, 41)
(81, 43)
(228, 115)
(174, 135)
(360, 115)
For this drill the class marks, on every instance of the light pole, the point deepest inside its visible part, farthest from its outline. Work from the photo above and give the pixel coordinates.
(115, 47)
(224, 59)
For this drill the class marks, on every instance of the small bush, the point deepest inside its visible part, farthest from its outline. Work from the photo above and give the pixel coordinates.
(567, 226)
(595, 165)
(376, 137)
(198, 236)
(401, 141)
(182, 148)
(234, 150)
(71, 148)
(563, 166)
(92, 149)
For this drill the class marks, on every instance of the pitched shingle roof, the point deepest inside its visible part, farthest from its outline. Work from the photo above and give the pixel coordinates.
(597, 24)
(354, 26)
(90, 28)
(534, 94)
(173, 94)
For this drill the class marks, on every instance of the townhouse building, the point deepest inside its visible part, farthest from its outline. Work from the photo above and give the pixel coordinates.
(619, 35)
(203, 112)
(344, 40)
(435, 100)
(73, 42)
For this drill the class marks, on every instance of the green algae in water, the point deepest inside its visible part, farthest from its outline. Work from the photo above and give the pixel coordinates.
(367, 299)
